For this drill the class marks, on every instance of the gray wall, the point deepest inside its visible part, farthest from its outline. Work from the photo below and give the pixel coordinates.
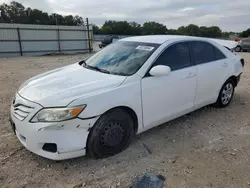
(32, 40)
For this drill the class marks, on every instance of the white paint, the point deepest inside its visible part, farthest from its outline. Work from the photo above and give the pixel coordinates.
(160, 70)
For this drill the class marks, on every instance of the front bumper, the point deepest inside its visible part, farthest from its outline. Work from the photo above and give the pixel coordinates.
(69, 137)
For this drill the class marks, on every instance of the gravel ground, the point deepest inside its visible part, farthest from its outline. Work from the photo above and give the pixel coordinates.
(207, 148)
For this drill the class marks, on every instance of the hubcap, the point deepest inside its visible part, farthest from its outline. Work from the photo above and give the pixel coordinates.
(227, 93)
(112, 135)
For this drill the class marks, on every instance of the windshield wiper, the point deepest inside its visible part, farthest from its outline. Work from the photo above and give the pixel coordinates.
(84, 64)
(98, 69)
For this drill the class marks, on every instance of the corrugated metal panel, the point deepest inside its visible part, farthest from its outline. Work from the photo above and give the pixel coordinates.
(38, 53)
(38, 34)
(9, 47)
(69, 45)
(3, 55)
(40, 46)
(8, 34)
(73, 35)
(42, 39)
(28, 26)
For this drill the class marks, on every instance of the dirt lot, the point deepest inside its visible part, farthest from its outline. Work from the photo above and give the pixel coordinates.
(208, 148)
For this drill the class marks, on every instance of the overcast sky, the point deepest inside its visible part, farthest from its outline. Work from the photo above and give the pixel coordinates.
(230, 15)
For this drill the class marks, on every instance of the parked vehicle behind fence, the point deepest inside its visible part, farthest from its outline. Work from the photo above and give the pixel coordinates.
(108, 40)
(97, 106)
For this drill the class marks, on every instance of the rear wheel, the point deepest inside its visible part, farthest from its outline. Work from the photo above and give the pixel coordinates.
(238, 49)
(111, 134)
(226, 94)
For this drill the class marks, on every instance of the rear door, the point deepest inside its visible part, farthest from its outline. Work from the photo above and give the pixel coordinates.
(212, 71)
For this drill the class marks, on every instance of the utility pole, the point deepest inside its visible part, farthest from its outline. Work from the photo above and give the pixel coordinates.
(55, 16)
(87, 22)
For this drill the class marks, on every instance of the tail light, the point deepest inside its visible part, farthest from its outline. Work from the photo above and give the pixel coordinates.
(242, 62)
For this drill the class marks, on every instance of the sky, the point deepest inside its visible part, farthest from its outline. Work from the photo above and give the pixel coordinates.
(229, 15)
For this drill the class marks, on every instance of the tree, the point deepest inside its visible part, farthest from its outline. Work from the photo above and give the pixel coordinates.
(13, 12)
(245, 33)
(172, 32)
(78, 20)
(16, 13)
(153, 28)
(36, 16)
(192, 30)
(215, 31)
(116, 27)
(69, 20)
(135, 28)
(96, 29)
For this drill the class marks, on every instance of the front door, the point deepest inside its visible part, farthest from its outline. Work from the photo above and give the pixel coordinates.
(165, 97)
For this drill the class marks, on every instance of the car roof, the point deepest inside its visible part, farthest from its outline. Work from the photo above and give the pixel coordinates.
(160, 39)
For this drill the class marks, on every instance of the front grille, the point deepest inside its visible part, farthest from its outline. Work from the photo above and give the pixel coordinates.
(21, 111)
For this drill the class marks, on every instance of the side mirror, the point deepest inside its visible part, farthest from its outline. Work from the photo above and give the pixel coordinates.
(160, 70)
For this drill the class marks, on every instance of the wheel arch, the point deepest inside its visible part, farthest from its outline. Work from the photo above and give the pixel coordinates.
(234, 79)
(126, 109)
(130, 111)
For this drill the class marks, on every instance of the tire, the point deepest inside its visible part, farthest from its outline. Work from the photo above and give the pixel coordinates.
(111, 134)
(238, 49)
(226, 94)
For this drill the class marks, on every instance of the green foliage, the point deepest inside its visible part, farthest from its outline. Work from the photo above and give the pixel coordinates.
(154, 28)
(245, 33)
(16, 13)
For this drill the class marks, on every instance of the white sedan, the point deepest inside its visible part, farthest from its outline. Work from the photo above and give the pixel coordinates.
(97, 106)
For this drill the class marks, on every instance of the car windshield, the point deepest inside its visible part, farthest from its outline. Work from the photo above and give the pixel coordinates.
(122, 57)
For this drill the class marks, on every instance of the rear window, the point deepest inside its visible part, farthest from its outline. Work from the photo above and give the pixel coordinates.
(203, 52)
(218, 54)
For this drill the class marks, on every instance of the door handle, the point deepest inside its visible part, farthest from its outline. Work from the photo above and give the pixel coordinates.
(225, 65)
(191, 74)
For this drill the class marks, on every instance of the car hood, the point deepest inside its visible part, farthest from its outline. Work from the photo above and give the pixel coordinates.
(61, 86)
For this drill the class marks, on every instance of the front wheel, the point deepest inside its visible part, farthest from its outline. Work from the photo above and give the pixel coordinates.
(111, 134)
(226, 94)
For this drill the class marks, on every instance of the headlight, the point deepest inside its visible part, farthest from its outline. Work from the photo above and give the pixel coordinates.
(57, 114)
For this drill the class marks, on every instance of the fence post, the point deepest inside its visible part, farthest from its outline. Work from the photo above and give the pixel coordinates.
(19, 40)
(58, 40)
(87, 21)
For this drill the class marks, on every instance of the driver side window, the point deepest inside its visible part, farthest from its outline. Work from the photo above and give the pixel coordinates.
(177, 56)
